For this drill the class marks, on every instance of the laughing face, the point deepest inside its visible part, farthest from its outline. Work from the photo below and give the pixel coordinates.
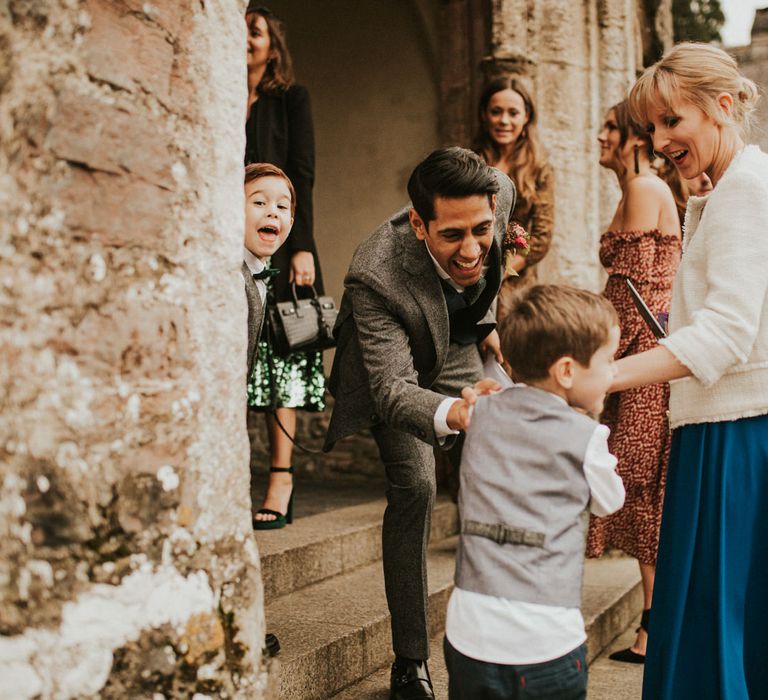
(686, 135)
(268, 217)
(460, 235)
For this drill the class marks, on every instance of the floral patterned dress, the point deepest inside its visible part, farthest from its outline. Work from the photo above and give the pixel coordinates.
(640, 437)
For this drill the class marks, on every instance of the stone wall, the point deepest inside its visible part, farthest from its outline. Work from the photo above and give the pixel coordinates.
(372, 71)
(127, 562)
(753, 62)
(355, 458)
(581, 58)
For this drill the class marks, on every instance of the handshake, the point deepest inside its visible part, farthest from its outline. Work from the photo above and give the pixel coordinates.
(460, 412)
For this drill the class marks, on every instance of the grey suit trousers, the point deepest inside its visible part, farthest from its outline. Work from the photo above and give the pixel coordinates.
(410, 470)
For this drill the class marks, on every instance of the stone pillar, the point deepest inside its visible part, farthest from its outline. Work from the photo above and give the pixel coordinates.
(581, 58)
(464, 42)
(127, 564)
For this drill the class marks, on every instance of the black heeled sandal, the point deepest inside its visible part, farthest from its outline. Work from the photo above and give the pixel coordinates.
(281, 520)
(627, 655)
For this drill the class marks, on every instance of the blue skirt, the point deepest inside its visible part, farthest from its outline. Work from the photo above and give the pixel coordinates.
(708, 637)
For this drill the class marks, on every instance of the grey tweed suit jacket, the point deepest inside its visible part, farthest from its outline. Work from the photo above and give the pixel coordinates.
(256, 312)
(393, 331)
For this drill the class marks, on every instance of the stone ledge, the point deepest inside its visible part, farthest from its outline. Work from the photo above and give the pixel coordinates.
(337, 632)
(317, 547)
(612, 597)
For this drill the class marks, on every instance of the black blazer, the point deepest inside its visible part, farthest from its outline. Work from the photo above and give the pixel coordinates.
(279, 131)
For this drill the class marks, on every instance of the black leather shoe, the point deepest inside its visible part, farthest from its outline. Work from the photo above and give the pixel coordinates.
(410, 681)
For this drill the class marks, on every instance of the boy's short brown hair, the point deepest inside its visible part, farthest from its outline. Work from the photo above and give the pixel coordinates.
(547, 322)
(254, 171)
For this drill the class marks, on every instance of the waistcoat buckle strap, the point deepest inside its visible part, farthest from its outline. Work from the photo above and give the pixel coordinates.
(503, 534)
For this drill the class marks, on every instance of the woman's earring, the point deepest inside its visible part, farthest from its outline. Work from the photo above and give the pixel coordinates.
(637, 162)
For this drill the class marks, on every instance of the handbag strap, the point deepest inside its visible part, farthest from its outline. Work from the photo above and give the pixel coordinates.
(272, 410)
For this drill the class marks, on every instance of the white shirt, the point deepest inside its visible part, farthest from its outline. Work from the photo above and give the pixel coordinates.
(256, 265)
(503, 631)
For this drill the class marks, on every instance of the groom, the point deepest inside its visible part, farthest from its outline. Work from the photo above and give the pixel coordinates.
(415, 315)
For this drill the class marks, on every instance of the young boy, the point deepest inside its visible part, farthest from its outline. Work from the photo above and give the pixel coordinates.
(533, 462)
(270, 203)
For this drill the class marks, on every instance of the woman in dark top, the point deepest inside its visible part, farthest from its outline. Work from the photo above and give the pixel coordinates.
(279, 131)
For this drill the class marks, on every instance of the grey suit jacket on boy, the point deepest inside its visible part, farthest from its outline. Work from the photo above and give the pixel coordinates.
(393, 331)
(256, 311)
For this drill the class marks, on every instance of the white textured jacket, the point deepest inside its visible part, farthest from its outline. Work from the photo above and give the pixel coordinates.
(719, 314)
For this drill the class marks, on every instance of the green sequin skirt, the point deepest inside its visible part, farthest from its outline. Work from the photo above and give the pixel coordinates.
(298, 380)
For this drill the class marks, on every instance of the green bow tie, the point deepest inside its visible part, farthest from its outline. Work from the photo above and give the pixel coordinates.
(266, 273)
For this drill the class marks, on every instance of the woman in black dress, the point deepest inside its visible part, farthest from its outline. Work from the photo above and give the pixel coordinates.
(279, 131)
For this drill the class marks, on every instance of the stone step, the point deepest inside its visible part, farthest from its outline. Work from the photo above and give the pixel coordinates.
(317, 547)
(611, 600)
(337, 632)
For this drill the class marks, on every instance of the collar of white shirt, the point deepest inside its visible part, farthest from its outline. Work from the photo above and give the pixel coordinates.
(254, 264)
(445, 276)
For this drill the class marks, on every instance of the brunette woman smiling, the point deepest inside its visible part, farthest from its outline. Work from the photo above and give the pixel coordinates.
(507, 139)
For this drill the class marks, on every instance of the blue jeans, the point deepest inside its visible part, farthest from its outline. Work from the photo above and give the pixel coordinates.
(560, 679)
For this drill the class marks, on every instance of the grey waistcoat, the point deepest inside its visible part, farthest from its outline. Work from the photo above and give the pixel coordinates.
(522, 465)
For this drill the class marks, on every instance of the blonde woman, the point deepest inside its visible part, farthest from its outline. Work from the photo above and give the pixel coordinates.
(642, 244)
(710, 606)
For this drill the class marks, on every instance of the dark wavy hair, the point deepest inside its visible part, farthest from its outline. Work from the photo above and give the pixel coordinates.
(449, 172)
(278, 76)
(666, 171)
(628, 127)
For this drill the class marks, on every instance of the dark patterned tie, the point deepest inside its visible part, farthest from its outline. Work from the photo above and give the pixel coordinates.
(463, 327)
(473, 292)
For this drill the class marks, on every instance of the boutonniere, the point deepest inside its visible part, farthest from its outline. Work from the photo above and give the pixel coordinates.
(515, 242)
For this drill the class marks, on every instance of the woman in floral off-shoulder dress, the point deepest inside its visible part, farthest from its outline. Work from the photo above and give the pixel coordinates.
(642, 244)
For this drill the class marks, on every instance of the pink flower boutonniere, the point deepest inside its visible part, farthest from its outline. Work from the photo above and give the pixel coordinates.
(515, 242)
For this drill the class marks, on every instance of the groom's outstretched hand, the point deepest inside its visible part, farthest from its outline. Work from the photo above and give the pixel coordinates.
(460, 412)
(492, 345)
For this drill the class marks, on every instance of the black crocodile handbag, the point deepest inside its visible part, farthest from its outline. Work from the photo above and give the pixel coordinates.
(302, 325)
